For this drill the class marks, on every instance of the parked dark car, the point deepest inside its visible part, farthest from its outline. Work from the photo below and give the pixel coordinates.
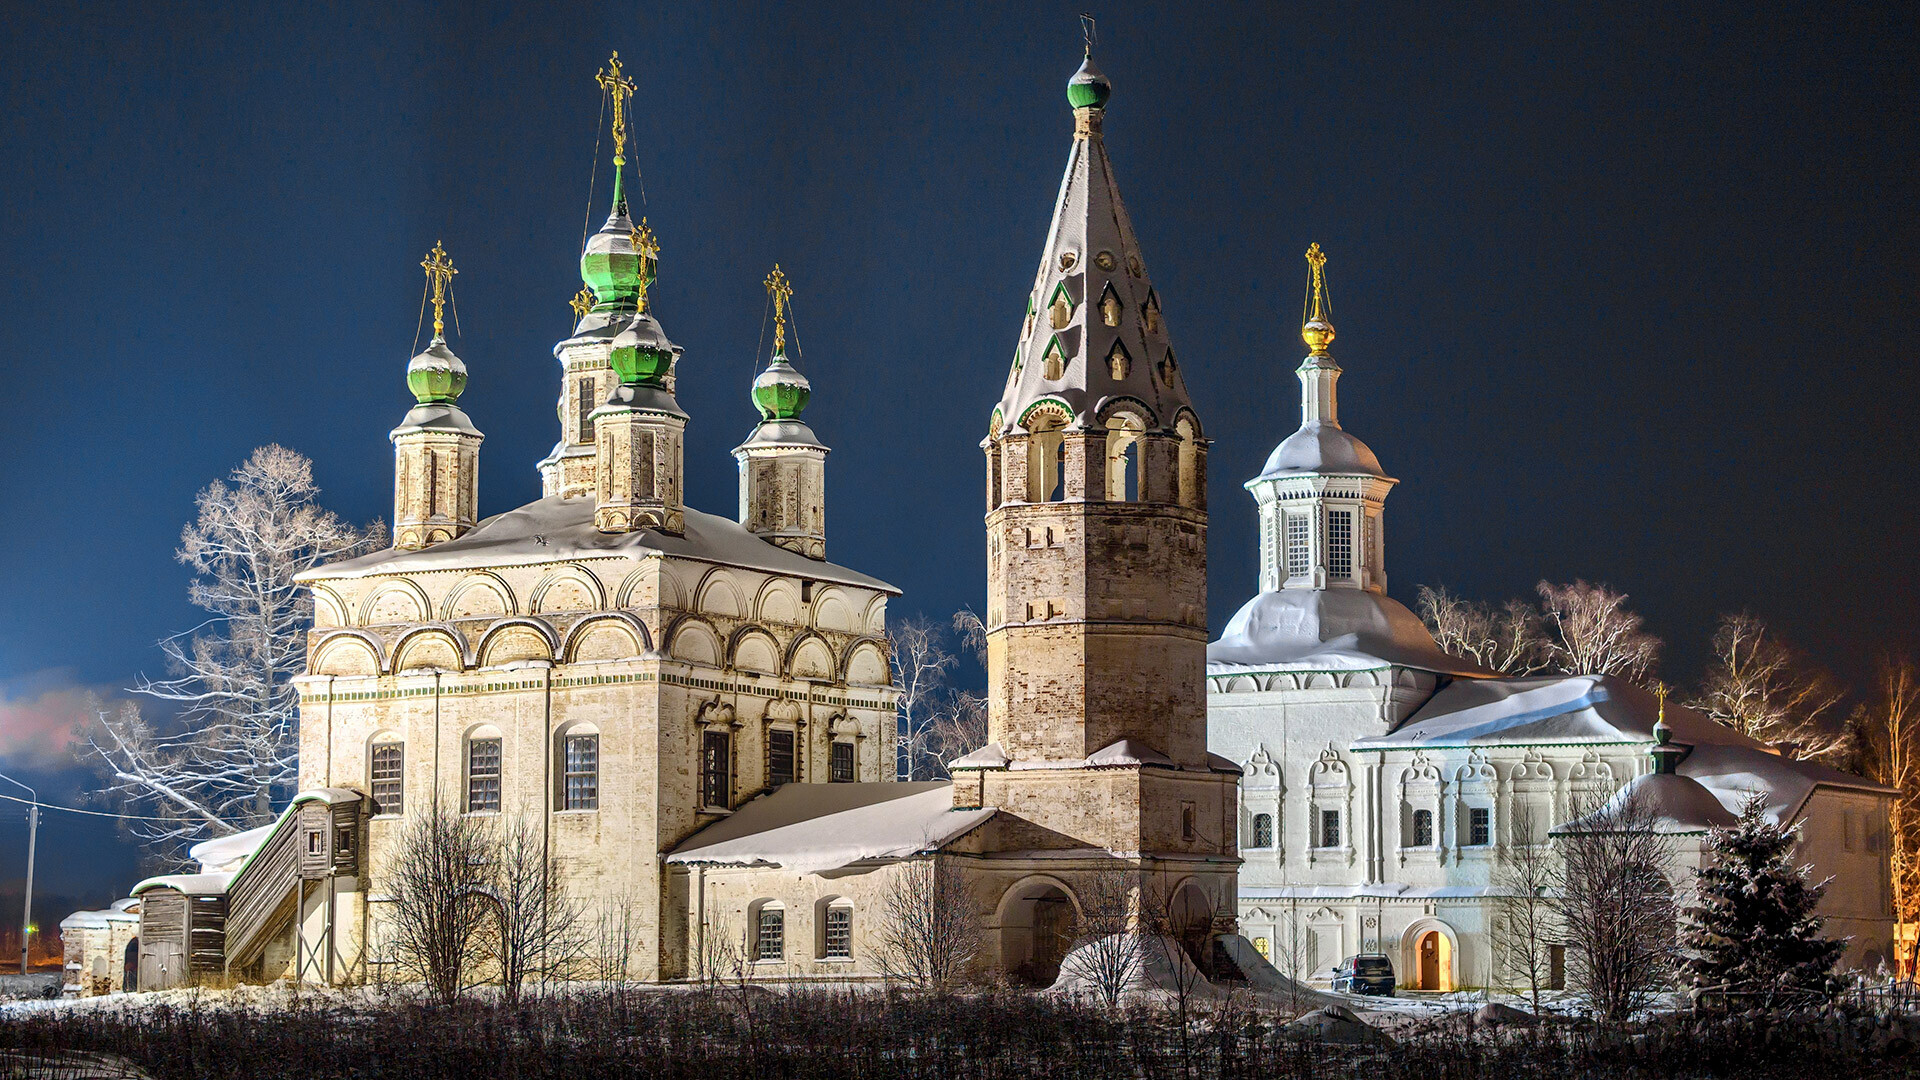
(1364, 975)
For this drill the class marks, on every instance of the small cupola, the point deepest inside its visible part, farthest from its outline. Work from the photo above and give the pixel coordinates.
(782, 465)
(436, 448)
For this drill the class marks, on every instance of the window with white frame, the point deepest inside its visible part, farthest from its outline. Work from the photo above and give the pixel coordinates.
(770, 934)
(581, 780)
(483, 776)
(1479, 826)
(1299, 546)
(837, 939)
(388, 762)
(1329, 829)
(1339, 544)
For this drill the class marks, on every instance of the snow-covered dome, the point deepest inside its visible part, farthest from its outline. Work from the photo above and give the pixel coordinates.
(1678, 805)
(1328, 629)
(1320, 448)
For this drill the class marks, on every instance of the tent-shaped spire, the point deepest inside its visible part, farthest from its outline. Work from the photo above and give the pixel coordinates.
(1093, 331)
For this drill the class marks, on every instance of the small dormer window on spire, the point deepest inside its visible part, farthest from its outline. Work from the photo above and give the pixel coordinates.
(1055, 362)
(1119, 364)
(1150, 314)
(1110, 306)
(1060, 308)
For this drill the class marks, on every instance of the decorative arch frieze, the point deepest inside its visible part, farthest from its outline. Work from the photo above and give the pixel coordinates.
(433, 641)
(777, 602)
(348, 653)
(451, 607)
(591, 638)
(548, 595)
(693, 640)
(329, 610)
(719, 594)
(864, 663)
(809, 657)
(506, 641)
(396, 600)
(754, 648)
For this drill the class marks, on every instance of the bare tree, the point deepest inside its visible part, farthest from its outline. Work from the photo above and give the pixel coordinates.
(232, 754)
(931, 938)
(921, 661)
(1590, 631)
(1617, 906)
(440, 879)
(1764, 689)
(959, 727)
(1509, 639)
(616, 933)
(973, 634)
(1293, 953)
(1886, 734)
(1528, 924)
(542, 930)
(1110, 939)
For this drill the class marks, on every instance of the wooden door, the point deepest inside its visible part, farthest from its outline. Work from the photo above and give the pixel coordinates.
(1430, 960)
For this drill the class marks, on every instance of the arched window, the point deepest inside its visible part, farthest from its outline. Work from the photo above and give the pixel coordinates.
(386, 768)
(1262, 831)
(1123, 457)
(833, 917)
(1423, 828)
(483, 772)
(1190, 480)
(769, 932)
(1046, 464)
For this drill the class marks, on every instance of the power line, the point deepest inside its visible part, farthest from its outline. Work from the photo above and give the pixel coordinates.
(89, 813)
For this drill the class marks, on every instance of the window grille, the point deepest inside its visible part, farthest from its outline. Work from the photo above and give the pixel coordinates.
(483, 775)
(1262, 830)
(582, 777)
(1299, 549)
(1339, 544)
(1479, 826)
(1329, 828)
(586, 410)
(779, 758)
(770, 942)
(384, 778)
(1423, 828)
(839, 937)
(716, 761)
(842, 763)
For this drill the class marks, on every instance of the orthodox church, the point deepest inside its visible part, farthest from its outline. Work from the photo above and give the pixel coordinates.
(1384, 781)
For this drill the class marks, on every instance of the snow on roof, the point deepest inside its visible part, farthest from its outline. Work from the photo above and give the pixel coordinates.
(1679, 806)
(556, 529)
(1328, 630)
(1123, 754)
(226, 853)
(84, 920)
(191, 884)
(1319, 448)
(810, 828)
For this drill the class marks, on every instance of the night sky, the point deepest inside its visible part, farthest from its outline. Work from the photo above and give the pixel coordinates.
(1628, 297)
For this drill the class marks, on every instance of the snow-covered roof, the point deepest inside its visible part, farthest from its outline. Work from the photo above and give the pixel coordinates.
(99, 920)
(1319, 448)
(1123, 754)
(1328, 630)
(226, 853)
(1677, 805)
(814, 827)
(556, 529)
(191, 884)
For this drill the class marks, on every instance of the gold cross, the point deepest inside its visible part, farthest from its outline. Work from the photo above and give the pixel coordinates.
(440, 273)
(1317, 259)
(621, 88)
(1660, 691)
(581, 303)
(645, 246)
(781, 293)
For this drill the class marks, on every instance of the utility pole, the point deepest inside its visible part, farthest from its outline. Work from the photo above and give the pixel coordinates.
(33, 836)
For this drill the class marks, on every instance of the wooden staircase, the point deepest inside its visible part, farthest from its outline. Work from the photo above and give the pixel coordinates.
(317, 839)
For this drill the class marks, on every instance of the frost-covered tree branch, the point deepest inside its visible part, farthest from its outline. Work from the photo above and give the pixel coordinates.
(230, 754)
(1508, 639)
(1591, 632)
(1762, 688)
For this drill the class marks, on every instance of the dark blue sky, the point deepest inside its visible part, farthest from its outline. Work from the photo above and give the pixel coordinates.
(1621, 295)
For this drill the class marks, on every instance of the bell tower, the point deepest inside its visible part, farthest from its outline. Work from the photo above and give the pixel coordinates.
(436, 449)
(1096, 613)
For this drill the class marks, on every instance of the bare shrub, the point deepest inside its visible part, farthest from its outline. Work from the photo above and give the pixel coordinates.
(440, 878)
(541, 929)
(1509, 639)
(1110, 940)
(1527, 918)
(931, 937)
(1617, 908)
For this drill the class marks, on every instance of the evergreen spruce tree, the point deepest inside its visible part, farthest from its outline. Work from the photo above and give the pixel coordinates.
(1752, 926)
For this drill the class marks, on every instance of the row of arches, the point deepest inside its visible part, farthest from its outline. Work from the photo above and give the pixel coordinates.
(571, 589)
(1254, 682)
(1120, 431)
(605, 637)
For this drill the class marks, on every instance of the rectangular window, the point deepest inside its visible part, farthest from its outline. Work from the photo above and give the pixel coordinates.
(313, 843)
(779, 758)
(1329, 828)
(1299, 547)
(384, 778)
(1264, 947)
(1263, 830)
(842, 763)
(1423, 828)
(716, 769)
(770, 942)
(483, 776)
(582, 765)
(1479, 826)
(587, 405)
(1339, 544)
(1188, 831)
(839, 934)
(1556, 967)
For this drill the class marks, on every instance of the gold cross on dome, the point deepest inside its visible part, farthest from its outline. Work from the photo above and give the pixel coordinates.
(581, 303)
(645, 246)
(620, 88)
(1317, 260)
(440, 273)
(781, 294)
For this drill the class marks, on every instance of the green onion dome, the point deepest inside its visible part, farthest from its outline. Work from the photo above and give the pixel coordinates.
(612, 268)
(641, 353)
(780, 393)
(1088, 89)
(436, 375)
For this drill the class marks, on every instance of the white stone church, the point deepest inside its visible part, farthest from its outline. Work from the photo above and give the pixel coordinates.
(1382, 778)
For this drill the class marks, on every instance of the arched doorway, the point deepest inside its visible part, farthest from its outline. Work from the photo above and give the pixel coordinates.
(1037, 919)
(130, 966)
(1190, 921)
(1427, 957)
